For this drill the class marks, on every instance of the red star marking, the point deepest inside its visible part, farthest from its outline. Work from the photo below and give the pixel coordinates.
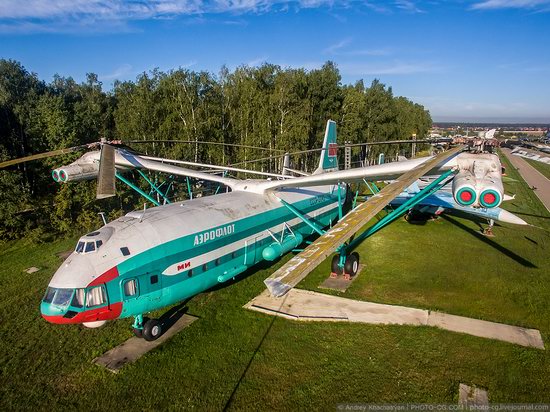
(332, 149)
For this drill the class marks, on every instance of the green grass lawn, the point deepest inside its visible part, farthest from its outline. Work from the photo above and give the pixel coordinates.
(541, 167)
(251, 361)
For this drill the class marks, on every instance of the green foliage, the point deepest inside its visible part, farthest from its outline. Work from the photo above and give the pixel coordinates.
(268, 106)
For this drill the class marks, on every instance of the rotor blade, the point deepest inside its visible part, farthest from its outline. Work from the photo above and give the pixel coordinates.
(42, 155)
(297, 268)
(106, 178)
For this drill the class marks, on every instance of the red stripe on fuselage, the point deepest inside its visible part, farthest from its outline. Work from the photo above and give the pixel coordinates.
(106, 277)
(108, 312)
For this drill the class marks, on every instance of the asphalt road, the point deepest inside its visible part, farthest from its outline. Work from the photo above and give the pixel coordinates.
(532, 176)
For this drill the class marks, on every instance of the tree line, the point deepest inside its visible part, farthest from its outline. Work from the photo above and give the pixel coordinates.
(269, 107)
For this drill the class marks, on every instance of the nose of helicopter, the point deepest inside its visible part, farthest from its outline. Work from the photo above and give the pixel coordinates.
(55, 305)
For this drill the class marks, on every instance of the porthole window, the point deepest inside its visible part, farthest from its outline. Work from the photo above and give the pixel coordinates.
(78, 298)
(233, 254)
(96, 296)
(190, 273)
(218, 261)
(205, 267)
(130, 288)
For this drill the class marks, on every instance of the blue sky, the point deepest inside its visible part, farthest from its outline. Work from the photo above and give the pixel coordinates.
(462, 59)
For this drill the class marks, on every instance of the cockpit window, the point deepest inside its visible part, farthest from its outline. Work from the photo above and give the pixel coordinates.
(63, 297)
(90, 247)
(98, 244)
(48, 297)
(79, 247)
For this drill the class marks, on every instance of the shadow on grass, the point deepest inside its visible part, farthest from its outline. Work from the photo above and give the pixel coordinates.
(529, 214)
(522, 261)
(171, 316)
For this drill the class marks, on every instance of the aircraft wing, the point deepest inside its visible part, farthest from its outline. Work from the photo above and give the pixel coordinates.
(143, 163)
(297, 268)
(386, 171)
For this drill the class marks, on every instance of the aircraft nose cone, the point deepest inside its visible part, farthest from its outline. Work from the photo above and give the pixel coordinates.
(51, 312)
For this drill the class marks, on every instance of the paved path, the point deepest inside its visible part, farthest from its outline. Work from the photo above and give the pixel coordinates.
(134, 348)
(532, 176)
(303, 305)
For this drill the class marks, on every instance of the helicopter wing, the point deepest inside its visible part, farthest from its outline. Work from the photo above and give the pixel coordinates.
(386, 171)
(159, 166)
(297, 268)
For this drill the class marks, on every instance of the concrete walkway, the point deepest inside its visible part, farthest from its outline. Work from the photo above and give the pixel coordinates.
(303, 305)
(532, 176)
(134, 348)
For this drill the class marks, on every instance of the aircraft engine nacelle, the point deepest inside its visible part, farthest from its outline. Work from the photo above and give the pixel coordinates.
(76, 172)
(478, 182)
(85, 167)
(464, 188)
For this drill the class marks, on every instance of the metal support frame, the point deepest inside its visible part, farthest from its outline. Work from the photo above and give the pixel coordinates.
(390, 217)
(373, 189)
(153, 186)
(304, 219)
(137, 189)
(340, 209)
(189, 187)
(219, 186)
(138, 322)
(355, 198)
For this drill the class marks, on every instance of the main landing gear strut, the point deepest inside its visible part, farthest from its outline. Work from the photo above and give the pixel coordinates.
(350, 267)
(148, 329)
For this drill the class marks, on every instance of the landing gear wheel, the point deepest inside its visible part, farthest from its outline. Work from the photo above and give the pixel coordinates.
(337, 270)
(352, 264)
(152, 330)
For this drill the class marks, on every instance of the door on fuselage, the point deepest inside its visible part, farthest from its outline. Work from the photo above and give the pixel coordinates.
(250, 252)
(131, 292)
(152, 284)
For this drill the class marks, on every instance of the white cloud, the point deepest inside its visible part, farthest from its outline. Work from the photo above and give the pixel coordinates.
(336, 47)
(395, 68)
(541, 5)
(408, 5)
(95, 15)
(120, 72)
(141, 9)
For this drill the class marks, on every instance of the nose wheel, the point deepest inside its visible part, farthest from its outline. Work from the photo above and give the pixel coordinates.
(148, 329)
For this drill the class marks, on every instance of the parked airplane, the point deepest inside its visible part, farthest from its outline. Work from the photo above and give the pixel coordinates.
(147, 260)
(444, 201)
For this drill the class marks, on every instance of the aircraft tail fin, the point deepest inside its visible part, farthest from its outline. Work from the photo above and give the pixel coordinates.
(329, 155)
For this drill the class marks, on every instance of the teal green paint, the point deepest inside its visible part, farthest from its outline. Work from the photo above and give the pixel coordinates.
(489, 205)
(189, 188)
(137, 189)
(355, 199)
(427, 191)
(330, 162)
(312, 225)
(153, 186)
(462, 202)
(138, 322)
(179, 287)
(230, 274)
(278, 249)
(340, 211)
